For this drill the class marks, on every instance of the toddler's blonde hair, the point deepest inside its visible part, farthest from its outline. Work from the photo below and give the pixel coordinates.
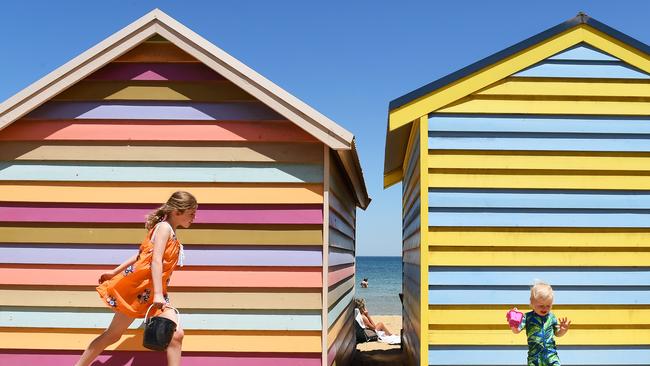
(179, 200)
(541, 291)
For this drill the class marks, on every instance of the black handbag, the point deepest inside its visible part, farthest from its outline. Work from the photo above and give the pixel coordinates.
(158, 331)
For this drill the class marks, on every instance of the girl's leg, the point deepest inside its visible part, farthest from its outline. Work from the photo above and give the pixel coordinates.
(174, 348)
(382, 327)
(111, 335)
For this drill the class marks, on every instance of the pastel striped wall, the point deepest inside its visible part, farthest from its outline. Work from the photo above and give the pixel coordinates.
(79, 173)
(541, 175)
(341, 341)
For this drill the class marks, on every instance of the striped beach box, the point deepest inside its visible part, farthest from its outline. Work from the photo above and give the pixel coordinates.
(530, 164)
(89, 150)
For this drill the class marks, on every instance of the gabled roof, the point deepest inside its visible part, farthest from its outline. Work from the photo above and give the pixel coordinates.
(157, 22)
(428, 98)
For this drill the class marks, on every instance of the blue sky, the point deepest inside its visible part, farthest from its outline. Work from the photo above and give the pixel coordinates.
(347, 59)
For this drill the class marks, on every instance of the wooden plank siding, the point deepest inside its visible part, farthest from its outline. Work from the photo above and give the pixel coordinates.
(411, 247)
(341, 341)
(541, 175)
(79, 173)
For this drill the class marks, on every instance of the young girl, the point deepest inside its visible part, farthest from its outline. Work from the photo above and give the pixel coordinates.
(142, 280)
(541, 325)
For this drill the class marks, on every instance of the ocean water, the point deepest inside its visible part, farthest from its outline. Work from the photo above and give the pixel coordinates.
(384, 284)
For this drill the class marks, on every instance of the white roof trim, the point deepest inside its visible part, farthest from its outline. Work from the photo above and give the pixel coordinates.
(156, 21)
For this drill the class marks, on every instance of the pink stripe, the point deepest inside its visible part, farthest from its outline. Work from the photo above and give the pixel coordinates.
(231, 277)
(114, 358)
(156, 71)
(339, 275)
(207, 214)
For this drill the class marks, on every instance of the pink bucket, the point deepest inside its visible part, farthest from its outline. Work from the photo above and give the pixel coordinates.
(514, 318)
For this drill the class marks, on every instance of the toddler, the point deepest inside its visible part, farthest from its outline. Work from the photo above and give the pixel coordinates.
(541, 326)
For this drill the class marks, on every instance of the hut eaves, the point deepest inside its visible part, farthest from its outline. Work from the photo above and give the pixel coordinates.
(448, 89)
(157, 22)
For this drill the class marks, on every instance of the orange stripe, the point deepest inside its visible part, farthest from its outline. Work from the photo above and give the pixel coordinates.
(244, 277)
(94, 130)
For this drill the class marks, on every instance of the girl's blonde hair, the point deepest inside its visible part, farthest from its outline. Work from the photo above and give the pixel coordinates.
(360, 304)
(179, 200)
(541, 291)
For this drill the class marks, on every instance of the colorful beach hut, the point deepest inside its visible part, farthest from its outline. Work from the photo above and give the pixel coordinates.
(532, 163)
(90, 148)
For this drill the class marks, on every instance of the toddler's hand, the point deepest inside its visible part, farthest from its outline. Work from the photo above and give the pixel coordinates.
(564, 324)
(106, 276)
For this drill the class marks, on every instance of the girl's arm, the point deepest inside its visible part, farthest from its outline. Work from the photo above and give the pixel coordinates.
(110, 274)
(160, 241)
(515, 330)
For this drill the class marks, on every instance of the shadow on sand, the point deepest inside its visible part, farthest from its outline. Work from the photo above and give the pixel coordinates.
(379, 357)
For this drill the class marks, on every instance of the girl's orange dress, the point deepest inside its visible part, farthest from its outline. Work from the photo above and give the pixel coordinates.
(131, 291)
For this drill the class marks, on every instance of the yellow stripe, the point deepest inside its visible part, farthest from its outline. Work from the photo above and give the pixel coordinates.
(490, 74)
(509, 257)
(146, 90)
(213, 341)
(616, 48)
(569, 87)
(341, 323)
(140, 193)
(253, 234)
(536, 237)
(581, 107)
(505, 337)
(579, 315)
(181, 299)
(257, 152)
(423, 125)
(535, 179)
(542, 160)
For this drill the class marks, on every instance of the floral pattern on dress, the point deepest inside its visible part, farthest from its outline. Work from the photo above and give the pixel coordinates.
(143, 298)
(129, 270)
(110, 300)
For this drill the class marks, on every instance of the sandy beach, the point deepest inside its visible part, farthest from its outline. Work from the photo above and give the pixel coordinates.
(377, 353)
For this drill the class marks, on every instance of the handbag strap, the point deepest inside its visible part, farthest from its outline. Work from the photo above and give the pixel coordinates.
(178, 314)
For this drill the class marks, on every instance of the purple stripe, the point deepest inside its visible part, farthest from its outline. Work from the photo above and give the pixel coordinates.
(156, 71)
(134, 358)
(207, 214)
(195, 255)
(233, 111)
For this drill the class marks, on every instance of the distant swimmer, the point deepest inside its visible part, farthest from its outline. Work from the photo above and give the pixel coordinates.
(364, 283)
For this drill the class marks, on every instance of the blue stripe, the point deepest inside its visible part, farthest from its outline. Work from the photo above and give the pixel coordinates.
(412, 163)
(549, 199)
(613, 70)
(584, 53)
(558, 276)
(196, 255)
(336, 311)
(534, 218)
(161, 172)
(564, 295)
(570, 355)
(538, 124)
(77, 318)
(336, 257)
(163, 110)
(539, 142)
